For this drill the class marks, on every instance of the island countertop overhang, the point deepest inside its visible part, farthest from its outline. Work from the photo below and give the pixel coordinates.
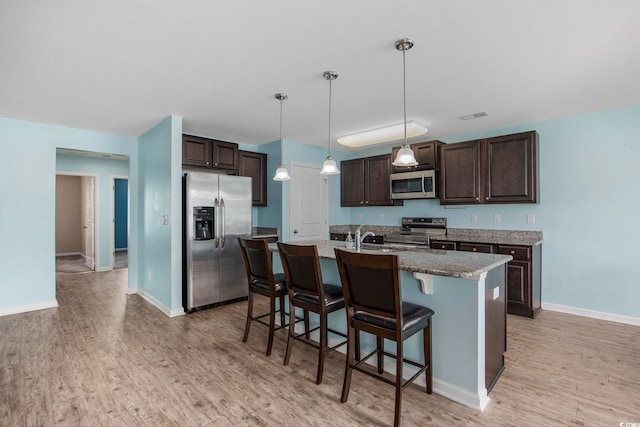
(463, 265)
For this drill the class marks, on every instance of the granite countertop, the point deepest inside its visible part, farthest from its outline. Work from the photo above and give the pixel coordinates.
(464, 265)
(263, 232)
(496, 237)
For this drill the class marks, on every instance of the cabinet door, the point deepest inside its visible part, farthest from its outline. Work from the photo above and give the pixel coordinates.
(510, 171)
(196, 151)
(255, 165)
(225, 155)
(352, 182)
(460, 173)
(377, 181)
(518, 286)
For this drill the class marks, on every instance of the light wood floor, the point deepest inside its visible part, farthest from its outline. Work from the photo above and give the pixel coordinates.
(107, 358)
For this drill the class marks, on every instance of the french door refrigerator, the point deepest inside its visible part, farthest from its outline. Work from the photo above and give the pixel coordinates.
(217, 210)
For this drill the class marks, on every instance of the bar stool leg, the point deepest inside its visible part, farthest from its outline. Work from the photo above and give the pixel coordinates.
(322, 348)
(396, 418)
(282, 313)
(247, 326)
(348, 370)
(380, 354)
(292, 326)
(272, 324)
(427, 355)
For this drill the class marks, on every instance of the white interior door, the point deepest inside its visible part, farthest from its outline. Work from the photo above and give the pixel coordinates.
(308, 204)
(88, 219)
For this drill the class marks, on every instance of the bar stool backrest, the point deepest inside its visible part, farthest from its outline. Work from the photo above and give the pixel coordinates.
(301, 269)
(370, 283)
(257, 260)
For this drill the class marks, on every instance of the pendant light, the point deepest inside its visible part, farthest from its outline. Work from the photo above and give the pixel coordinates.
(281, 173)
(329, 167)
(405, 156)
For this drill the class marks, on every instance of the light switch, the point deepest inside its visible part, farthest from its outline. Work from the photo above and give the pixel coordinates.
(474, 217)
(165, 219)
(496, 218)
(531, 218)
(496, 293)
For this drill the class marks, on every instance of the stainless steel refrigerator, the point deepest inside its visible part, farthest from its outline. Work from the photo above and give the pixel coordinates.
(217, 210)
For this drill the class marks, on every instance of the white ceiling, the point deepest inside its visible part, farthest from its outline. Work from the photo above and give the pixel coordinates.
(120, 66)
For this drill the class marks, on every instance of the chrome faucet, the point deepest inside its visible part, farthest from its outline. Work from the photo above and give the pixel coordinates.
(360, 238)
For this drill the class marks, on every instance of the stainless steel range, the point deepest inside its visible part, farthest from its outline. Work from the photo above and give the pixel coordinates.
(418, 231)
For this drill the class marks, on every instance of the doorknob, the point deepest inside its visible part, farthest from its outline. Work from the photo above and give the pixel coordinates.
(84, 226)
(295, 231)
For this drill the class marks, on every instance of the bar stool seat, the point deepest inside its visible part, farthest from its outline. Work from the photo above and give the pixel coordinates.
(332, 295)
(414, 318)
(278, 278)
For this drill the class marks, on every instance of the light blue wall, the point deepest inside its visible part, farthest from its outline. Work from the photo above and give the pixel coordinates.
(588, 205)
(27, 197)
(160, 268)
(104, 169)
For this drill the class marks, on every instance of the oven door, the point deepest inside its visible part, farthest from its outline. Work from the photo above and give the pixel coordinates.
(413, 185)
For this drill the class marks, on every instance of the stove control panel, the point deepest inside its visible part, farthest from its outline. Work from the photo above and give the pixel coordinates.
(424, 222)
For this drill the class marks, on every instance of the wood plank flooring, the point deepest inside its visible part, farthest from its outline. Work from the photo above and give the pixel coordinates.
(106, 358)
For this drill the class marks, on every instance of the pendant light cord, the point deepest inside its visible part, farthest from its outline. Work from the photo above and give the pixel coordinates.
(281, 143)
(329, 153)
(404, 95)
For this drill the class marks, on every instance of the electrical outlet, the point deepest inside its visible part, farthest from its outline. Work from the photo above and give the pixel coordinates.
(381, 217)
(496, 293)
(531, 218)
(359, 217)
(165, 219)
(149, 274)
(474, 217)
(496, 218)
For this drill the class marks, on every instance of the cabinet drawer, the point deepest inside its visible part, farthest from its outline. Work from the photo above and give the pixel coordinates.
(475, 247)
(439, 244)
(519, 253)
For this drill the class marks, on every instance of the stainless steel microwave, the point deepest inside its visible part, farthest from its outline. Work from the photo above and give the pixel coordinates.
(413, 185)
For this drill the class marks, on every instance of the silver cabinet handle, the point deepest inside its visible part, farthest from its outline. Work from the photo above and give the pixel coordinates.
(295, 231)
(513, 252)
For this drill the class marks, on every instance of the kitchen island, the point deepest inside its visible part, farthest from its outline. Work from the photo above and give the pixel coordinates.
(467, 292)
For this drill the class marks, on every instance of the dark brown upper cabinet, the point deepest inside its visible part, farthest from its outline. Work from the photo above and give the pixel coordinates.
(254, 165)
(502, 169)
(511, 168)
(209, 153)
(426, 154)
(460, 173)
(365, 182)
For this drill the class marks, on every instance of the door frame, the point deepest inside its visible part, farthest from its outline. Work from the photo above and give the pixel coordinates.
(96, 213)
(326, 197)
(112, 229)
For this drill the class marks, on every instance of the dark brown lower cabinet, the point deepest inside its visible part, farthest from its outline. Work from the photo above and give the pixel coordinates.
(495, 330)
(523, 272)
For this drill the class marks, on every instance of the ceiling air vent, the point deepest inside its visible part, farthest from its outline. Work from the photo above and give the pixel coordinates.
(474, 115)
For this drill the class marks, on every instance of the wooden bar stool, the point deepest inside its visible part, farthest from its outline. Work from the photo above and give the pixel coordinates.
(261, 280)
(308, 292)
(374, 304)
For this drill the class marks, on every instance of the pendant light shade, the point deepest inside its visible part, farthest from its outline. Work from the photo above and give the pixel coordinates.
(329, 167)
(405, 156)
(281, 173)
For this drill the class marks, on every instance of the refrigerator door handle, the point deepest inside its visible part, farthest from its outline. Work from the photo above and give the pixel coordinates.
(216, 220)
(222, 221)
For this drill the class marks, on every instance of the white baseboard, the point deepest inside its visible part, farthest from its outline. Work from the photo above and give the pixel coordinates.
(474, 401)
(166, 310)
(103, 269)
(30, 307)
(635, 321)
(70, 253)
(132, 291)
(121, 249)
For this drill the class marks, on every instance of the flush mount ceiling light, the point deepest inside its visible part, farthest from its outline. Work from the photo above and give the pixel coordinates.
(383, 134)
(329, 167)
(281, 173)
(405, 156)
